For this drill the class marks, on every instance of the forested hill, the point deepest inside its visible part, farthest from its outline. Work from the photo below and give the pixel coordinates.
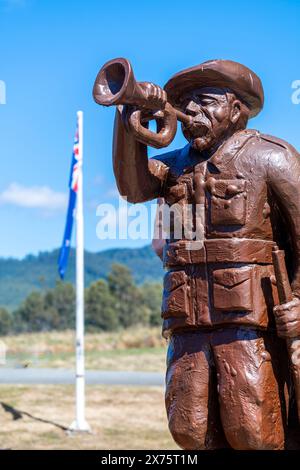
(20, 277)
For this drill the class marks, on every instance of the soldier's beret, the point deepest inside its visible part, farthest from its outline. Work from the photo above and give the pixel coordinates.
(219, 74)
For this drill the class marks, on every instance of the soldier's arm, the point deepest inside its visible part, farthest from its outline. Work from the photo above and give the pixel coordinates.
(137, 177)
(284, 181)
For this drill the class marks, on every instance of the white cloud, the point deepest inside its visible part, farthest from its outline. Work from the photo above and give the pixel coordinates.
(37, 197)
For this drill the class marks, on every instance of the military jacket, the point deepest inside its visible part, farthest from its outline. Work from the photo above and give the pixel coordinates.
(234, 207)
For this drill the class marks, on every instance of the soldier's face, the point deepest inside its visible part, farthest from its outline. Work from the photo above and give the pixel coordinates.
(210, 110)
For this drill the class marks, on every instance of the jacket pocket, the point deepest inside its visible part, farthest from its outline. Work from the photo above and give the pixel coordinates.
(233, 289)
(176, 298)
(228, 202)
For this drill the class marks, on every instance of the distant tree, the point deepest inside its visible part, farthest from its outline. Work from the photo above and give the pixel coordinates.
(152, 297)
(42, 281)
(33, 316)
(61, 302)
(100, 307)
(5, 322)
(128, 298)
(117, 302)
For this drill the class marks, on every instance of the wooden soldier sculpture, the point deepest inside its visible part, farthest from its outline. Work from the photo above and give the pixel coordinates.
(228, 381)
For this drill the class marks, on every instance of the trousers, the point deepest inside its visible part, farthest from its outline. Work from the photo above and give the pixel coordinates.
(227, 388)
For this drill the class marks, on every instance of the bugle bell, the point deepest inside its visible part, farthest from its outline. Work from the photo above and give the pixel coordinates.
(115, 84)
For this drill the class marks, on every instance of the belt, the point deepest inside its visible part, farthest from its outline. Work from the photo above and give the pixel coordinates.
(221, 250)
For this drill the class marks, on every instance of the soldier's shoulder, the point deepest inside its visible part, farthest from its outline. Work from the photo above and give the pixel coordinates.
(277, 155)
(277, 143)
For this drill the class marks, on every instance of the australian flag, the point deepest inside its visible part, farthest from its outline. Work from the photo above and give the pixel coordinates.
(73, 187)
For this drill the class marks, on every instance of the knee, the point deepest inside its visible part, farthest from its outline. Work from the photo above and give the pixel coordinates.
(254, 439)
(187, 435)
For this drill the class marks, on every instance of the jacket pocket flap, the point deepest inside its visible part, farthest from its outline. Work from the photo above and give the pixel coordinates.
(176, 297)
(232, 276)
(174, 279)
(228, 188)
(175, 303)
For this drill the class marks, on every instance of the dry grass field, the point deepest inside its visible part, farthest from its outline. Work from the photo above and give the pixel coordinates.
(120, 418)
(37, 417)
(128, 350)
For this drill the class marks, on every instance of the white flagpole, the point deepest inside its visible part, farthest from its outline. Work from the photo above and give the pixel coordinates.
(80, 423)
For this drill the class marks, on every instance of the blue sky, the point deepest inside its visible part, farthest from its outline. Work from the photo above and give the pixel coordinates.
(50, 53)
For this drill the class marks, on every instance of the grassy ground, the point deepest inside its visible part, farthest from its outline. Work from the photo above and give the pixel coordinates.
(120, 418)
(132, 349)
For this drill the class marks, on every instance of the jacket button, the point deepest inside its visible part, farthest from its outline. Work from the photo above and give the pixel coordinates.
(231, 189)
